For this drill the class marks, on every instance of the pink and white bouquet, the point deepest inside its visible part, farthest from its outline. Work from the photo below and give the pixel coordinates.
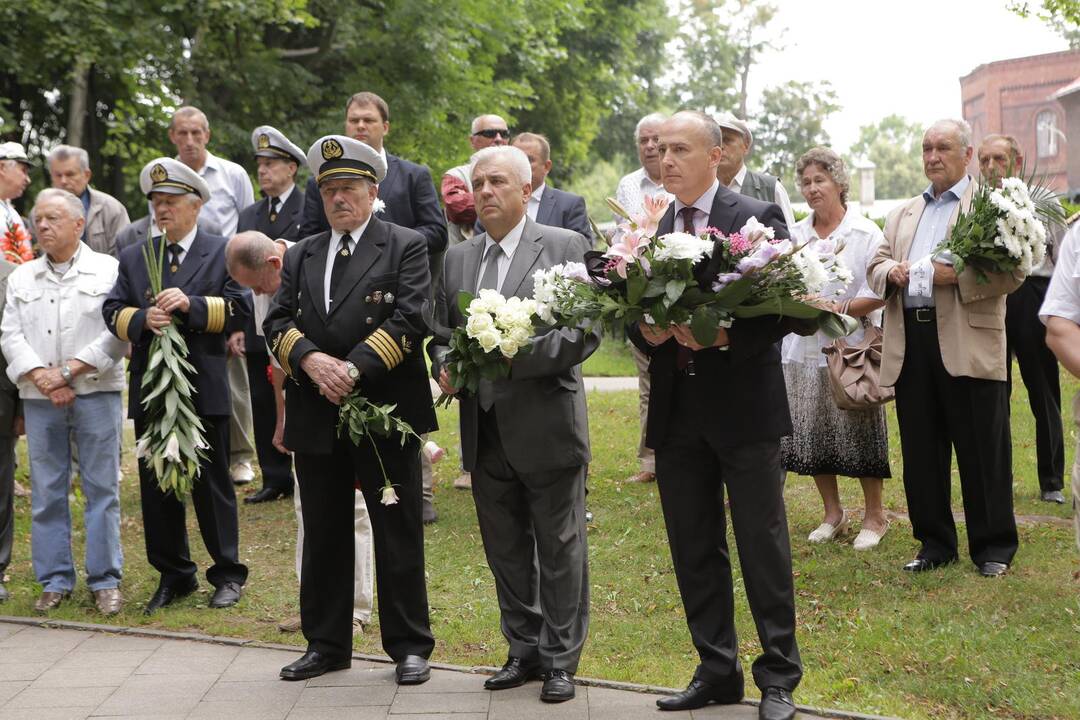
(706, 280)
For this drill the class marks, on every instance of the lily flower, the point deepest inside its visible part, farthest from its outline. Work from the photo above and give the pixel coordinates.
(389, 495)
(172, 448)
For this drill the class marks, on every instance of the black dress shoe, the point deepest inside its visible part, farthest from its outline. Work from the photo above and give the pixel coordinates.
(699, 693)
(312, 664)
(514, 673)
(924, 564)
(226, 595)
(165, 594)
(412, 670)
(776, 704)
(267, 494)
(993, 569)
(558, 686)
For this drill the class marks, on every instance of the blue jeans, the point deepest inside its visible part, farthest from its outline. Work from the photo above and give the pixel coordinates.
(94, 421)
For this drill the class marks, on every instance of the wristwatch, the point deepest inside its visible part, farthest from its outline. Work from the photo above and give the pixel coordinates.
(354, 372)
(65, 372)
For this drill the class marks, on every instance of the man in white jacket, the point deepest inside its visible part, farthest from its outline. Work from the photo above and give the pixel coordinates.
(67, 366)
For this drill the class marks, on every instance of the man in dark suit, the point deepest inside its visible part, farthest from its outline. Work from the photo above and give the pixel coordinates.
(349, 314)
(525, 439)
(277, 216)
(208, 306)
(548, 205)
(716, 416)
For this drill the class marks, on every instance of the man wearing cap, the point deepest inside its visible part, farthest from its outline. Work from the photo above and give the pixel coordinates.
(14, 179)
(230, 192)
(734, 175)
(207, 305)
(348, 314)
(69, 169)
(277, 216)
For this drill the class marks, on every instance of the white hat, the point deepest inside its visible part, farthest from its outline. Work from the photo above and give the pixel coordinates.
(14, 151)
(728, 121)
(270, 142)
(338, 156)
(166, 175)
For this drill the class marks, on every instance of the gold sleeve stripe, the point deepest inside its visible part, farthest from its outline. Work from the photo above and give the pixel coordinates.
(288, 341)
(215, 314)
(384, 345)
(123, 319)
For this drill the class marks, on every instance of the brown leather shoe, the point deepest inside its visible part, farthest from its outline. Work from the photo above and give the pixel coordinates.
(463, 481)
(109, 601)
(642, 477)
(49, 601)
(290, 625)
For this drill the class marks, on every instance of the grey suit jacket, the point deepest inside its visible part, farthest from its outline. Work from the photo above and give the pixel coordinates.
(540, 408)
(562, 209)
(136, 232)
(104, 221)
(9, 394)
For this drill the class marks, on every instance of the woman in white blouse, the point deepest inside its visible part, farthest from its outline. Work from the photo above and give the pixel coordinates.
(828, 441)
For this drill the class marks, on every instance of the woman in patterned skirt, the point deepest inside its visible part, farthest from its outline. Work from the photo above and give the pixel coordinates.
(828, 441)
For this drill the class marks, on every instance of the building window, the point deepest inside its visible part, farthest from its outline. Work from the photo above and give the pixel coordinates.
(1047, 133)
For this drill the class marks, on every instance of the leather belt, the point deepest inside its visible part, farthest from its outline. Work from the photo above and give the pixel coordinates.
(921, 315)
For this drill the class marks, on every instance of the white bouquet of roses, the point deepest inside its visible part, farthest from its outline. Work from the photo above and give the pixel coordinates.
(496, 330)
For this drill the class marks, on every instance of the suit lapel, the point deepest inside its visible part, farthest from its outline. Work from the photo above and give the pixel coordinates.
(193, 262)
(471, 267)
(314, 270)
(388, 187)
(368, 249)
(667, 223)
(908, 225)
(725, 213)
(524, 258)
(546, 211)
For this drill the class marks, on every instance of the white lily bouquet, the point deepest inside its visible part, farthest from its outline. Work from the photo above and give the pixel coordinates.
(496, 329)
(1003, 230)
(361, 418)
(174, 440)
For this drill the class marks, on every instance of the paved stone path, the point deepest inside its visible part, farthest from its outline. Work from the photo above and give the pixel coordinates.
(49, 673)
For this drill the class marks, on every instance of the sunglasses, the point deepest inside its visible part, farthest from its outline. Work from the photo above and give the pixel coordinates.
(491, 134)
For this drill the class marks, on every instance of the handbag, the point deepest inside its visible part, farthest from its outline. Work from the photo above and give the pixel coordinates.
(854, 369)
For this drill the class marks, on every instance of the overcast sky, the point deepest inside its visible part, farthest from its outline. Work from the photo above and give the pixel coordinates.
(887, 57)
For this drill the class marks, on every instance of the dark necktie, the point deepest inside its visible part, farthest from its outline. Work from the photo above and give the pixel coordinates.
(274, 206)
(174, 257)
(341, 261)
(684, 358)
(491, 270)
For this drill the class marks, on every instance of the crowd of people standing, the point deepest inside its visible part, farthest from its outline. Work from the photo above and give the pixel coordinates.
(291, 302)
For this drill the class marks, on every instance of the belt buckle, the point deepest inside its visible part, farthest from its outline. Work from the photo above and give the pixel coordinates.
(924, 314)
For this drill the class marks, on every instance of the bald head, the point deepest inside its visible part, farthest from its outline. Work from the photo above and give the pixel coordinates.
(690, 151)
(254, 261)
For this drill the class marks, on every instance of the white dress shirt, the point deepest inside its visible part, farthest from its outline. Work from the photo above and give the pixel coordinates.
(508, 245)
(51, 318)
(534, 202)
(332, 250)
(861, 238)
(779, 192)
(184, 243)
(703, 206)
(230, 192)
(632, 190)
(1063, 296)
(283, 197)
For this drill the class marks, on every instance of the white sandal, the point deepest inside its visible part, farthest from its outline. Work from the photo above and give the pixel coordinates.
(825, 532)
(868, 539)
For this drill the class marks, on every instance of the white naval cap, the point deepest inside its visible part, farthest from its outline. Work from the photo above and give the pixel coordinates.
(338, 156)
(14, 151)
(272, 143)
(166, 175)
(727, 121)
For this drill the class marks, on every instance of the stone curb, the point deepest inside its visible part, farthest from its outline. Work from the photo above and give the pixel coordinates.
(474, 670)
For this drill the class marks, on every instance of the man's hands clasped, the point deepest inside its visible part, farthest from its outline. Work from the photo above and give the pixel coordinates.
(160, 313)
(329, 374)
(656, 335)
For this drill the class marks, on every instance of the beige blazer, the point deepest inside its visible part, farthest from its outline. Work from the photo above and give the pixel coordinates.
(970, 315)
(105, 218)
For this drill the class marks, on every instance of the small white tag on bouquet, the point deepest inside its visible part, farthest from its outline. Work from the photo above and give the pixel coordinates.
(921, 278)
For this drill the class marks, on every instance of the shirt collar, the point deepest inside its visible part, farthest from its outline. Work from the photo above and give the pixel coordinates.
(841, 229)
(957, 190)
(737, 181)
(72, 264)
(335, 235)
(510, 241)
(646, 183)
(539, 192)
(703, 203)
(283, 197)
(212, 163)
(187, 240)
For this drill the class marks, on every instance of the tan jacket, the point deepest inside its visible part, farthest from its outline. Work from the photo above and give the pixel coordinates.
(970, 315)
(105, 218)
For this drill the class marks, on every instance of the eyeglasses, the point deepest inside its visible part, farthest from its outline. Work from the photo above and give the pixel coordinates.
(491, 134)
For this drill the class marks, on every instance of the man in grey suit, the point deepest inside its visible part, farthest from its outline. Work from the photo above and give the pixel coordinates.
(9, 412)
(525, 438)
(548, 205)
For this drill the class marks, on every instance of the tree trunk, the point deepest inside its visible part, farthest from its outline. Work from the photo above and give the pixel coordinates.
(744, 74)
(80, 77)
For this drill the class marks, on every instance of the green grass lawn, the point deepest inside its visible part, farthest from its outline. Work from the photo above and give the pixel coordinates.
(611, 359)
(947, 644)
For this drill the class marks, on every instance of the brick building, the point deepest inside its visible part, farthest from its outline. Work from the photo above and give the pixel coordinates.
(1018, 97)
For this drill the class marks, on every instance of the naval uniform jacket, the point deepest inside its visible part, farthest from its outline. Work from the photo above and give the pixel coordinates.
(219, 307)
(376, 321)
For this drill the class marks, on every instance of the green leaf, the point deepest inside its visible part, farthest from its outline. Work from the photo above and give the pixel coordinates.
(704, 323)
(636, 283)
(463, 300)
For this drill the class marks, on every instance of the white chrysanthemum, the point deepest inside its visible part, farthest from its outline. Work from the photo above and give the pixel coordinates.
(682, 246)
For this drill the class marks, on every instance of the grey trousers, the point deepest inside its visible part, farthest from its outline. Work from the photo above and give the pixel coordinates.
(7, 501)
(241, 427)
(533, 529)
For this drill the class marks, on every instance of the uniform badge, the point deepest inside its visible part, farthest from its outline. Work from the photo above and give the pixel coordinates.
(275, 343)
(158, 173)
(331, 149)
(377, 296)
(114, 315)
(264, 141)
(367, 298)
(389, 297)
(406, 344)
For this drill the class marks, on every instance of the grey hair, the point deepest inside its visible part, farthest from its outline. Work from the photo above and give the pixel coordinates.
(72, 204)
(831, 163)
(189, 111)
(648, 119)
(477, 120)
(515, 157)
(249, 250)
(708, 124)
(1014, 146)
(66, 152)
(960, 128)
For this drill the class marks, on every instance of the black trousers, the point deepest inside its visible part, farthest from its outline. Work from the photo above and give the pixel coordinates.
(936, 413)
(327, 486)
(276, 466)
(214, 501)
(1026, 337)
(692, 470)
